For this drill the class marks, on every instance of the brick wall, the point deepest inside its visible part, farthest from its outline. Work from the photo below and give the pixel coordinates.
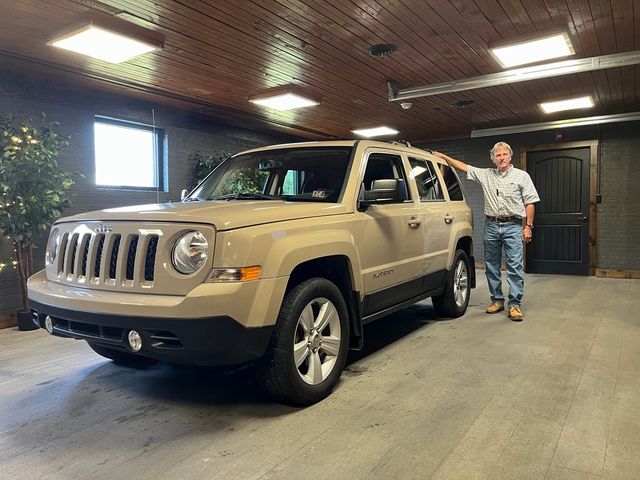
(619, 212)
(75, 110)
(618, 238)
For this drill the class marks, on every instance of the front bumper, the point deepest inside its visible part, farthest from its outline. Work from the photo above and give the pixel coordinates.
(214, 324)
(194, 341)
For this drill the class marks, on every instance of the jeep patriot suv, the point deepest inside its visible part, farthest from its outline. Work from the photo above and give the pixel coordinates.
(277, 258)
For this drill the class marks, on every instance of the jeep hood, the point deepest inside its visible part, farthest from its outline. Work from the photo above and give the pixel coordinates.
(224, 215)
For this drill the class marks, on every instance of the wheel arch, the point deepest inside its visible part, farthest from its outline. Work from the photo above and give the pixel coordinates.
(338, 270)
(465, 244)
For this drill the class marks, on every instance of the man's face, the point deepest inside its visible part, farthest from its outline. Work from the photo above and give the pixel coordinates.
(502, 159)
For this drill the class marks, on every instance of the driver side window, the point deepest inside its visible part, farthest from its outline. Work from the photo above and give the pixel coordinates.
(383, 166)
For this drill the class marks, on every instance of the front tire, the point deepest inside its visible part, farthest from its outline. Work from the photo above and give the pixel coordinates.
(455, 299)
(123, 358)
(308, 349)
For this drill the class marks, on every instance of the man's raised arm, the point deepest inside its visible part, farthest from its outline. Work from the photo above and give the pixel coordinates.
(457, 164)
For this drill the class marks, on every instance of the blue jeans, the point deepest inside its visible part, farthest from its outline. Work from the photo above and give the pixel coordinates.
(507, 235)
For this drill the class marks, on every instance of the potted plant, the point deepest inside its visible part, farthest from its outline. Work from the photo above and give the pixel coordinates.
(32, 191)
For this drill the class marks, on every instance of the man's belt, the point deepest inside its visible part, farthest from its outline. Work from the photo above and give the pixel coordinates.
(512, 218)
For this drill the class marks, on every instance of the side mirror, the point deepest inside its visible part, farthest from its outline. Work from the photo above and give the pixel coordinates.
(183, 194)
(387, 190)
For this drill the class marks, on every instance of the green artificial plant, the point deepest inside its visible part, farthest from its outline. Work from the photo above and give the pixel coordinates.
(32, 186)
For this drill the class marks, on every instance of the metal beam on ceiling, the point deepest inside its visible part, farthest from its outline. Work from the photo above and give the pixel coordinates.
(517, 75)
(569, 123)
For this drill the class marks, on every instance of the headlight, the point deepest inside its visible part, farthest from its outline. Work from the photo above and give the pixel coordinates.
(54, 244)
(190, 252)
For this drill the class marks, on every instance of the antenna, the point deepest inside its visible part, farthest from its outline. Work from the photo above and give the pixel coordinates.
(155, 153)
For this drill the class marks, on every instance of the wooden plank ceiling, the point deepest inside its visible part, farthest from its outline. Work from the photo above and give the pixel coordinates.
(218, 53)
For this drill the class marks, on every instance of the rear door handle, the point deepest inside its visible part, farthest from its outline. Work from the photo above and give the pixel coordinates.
(414, 222)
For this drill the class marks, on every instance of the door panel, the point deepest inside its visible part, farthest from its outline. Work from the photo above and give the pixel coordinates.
(437, 214)
(561, 234)
(390, 246)
(391, 233)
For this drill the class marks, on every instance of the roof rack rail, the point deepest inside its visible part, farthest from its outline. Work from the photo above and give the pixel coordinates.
(401, 142)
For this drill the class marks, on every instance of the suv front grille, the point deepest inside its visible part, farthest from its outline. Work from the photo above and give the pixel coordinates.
(131, 256)
(151, 258)
(111, 262)
(124, 256)
(96, 268)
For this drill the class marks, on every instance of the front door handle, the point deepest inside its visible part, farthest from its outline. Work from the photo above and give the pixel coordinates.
(448, 219)
(414, 222)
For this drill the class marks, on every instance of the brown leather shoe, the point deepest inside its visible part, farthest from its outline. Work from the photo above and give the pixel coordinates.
(495, 307)
(515, 314)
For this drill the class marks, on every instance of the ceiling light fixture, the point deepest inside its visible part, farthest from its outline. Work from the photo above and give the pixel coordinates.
(531, 51)
(375, 132)
(568, 104)
(103, 43)
(283, 101)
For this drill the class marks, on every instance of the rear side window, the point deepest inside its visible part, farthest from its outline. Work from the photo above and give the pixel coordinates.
(427, 180)
(453, 183)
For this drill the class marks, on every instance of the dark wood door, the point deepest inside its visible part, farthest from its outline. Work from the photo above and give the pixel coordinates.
(561, 234)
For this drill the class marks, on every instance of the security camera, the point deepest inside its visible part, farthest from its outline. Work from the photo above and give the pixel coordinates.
(406, 105)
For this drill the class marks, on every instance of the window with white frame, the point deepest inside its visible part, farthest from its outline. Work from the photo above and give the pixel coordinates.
(127, 154)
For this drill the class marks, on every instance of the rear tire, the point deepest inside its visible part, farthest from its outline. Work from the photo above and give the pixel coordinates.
(308, 349)
(123, 358)
(455, 299)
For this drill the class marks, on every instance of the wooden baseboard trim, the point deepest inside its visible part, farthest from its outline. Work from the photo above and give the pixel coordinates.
(599, 272)
(8, 320)
(611, 273)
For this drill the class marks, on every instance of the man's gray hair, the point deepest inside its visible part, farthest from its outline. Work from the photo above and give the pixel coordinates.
(500, 145)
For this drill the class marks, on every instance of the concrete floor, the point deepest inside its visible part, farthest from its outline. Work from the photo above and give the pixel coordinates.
(480, 397)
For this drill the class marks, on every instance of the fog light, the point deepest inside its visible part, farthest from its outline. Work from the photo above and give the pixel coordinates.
(48, 324)
(135, 341)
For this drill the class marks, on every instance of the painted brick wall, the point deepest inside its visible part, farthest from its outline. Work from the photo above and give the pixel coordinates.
(618, 240)
(619, 212)
(75, 110)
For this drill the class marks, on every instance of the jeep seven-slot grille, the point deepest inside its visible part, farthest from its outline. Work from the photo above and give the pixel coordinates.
(107, 256)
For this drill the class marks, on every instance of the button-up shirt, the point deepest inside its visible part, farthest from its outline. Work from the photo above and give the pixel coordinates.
(507, 193)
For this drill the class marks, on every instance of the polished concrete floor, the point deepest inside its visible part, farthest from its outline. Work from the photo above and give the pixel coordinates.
(480, 397)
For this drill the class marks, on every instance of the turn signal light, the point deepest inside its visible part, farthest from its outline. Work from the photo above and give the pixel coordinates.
(242, 274)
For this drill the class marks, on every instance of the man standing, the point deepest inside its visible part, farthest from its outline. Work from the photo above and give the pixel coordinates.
(509, 197)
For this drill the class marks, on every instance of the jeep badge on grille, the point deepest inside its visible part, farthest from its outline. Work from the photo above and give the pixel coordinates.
(103, 229)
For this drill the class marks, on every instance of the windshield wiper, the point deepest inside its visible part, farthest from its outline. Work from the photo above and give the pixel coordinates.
(246, 196)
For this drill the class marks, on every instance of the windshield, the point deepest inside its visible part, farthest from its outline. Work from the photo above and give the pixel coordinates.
(315, 174)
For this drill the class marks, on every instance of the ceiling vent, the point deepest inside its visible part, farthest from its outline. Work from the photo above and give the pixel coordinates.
(463, 103)
(100, 7)
(381, 49)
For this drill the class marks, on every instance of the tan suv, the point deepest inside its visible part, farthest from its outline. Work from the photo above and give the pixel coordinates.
(278, 257)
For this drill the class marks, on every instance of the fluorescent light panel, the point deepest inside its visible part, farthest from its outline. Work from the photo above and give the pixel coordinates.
(569, 104)
(544, 48)
(375, 132)
(103, 44)
(284, 101)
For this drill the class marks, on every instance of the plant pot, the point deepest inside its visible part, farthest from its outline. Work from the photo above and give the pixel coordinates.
(25, 321)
